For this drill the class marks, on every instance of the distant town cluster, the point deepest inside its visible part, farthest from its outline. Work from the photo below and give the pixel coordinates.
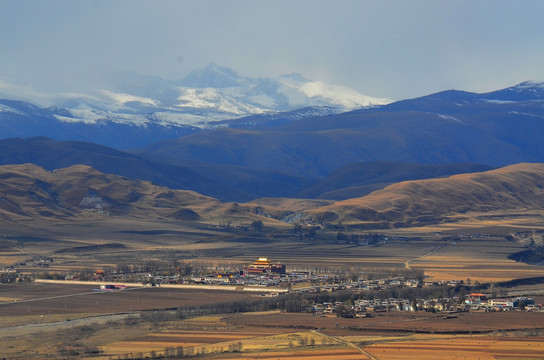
(472, 302)
(336, 294)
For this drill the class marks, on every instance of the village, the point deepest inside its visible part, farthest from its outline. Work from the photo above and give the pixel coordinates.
(350, 295)
(473, 302)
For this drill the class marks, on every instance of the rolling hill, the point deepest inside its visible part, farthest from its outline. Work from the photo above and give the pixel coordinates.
(227, 183)
(224, 182)
(359, 179)
(80, 193)
(29, 192)
(515, 189)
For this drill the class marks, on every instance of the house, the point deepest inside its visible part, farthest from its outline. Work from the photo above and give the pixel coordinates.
(475, 298)
(500, 303)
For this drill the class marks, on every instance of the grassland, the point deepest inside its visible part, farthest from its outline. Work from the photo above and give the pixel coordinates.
(71, 244)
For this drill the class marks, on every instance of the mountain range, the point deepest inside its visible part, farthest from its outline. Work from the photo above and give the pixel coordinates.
(224, 182)
(405, 163)
(497, 129)
(136, 110)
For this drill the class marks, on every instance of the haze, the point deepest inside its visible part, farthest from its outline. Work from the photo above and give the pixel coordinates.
(393, 49)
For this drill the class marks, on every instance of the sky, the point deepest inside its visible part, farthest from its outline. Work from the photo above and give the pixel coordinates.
(393, 49)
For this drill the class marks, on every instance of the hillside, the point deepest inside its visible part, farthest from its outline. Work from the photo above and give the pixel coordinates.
(513, 189)
(224, 182)
(227, 183)
(80, 193)
(360, 179)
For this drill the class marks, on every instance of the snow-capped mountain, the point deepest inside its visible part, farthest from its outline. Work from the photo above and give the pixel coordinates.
(203, 97)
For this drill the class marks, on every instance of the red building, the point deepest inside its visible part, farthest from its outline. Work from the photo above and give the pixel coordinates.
(475, 298)
(264, 266)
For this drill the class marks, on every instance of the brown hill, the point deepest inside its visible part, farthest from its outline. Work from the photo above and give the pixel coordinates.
(30, 192)
(80, 193)
(513, 188)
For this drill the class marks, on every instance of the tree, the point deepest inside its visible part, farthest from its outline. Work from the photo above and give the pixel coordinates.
(257, 226)
(340, 236)
(340, 310)
(179, 351)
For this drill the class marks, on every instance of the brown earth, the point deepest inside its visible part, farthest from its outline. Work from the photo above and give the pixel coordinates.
(41, 302)
(396, 321)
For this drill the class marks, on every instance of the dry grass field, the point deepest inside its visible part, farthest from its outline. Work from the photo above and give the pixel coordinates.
(275, 335)
(263, 335)
(39, 303)
(482, 259)
(479, 347)
(399, 322)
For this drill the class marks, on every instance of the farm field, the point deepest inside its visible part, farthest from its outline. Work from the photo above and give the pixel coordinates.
(477, 347)
(261, 335)
(480, 259)
(286, 336)
(400, 322)
(104, 325)
(38, 303)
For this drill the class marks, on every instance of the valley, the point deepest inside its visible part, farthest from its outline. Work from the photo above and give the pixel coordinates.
(392, 239)
(313, 180)
(84, 323)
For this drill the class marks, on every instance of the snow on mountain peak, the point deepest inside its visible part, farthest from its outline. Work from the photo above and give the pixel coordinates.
(341, 95)
(202, 97)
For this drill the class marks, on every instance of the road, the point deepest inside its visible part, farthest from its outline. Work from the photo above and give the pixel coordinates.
(61, 296)
(407, 263)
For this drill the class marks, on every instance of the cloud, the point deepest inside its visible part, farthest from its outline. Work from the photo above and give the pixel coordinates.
(394, 49)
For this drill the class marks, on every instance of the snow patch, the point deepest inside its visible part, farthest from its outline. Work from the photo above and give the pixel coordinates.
(92, 116)
(449, 117)
(526, 114)
(5, 108)
(530, 84)
(499, 101)
(178, 119)
(343, 96)
(213, 99)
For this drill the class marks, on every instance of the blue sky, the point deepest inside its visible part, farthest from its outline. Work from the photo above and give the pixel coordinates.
(395, 49)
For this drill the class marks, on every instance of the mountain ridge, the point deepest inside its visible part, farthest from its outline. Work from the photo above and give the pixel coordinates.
(81, 193)
(444, 128)
(162, 109)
